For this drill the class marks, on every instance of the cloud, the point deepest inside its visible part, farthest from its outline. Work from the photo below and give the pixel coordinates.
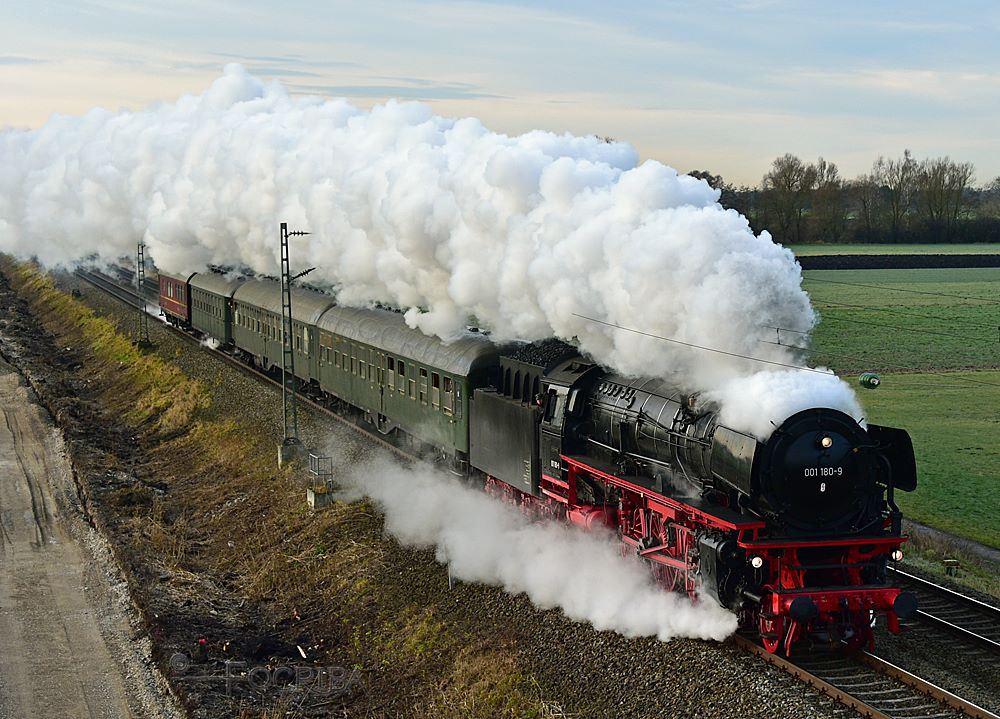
(425, 91)
(19, 60)
(941, 85)
(281, 72)
(286, 60)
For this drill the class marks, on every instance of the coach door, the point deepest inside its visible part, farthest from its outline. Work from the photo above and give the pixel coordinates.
(380, 386)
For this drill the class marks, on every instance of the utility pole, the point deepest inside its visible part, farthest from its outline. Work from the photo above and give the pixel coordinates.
(142, 331)
(291, 445)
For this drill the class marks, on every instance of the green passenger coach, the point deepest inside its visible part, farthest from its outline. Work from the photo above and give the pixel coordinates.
(212, 305)
(257, 325)
(395, 376)
(401, 377)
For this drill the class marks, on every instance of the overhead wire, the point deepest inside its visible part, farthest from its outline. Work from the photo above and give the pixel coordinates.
(820, 301)
(832, 318)
(896, 367)
(773, 362)
(700, 347)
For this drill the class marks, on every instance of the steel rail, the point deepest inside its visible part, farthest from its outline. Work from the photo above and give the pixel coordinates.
(874, 696)
(976, 612)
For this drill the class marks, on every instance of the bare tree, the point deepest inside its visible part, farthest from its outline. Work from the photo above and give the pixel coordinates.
(714, 181)
(829, 212)
(940, 186)
(868, 194)
(786, 188)
(729, 194)
(899, 177)
(989, 199)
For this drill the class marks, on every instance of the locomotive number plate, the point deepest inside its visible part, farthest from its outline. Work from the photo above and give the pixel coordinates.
(823, 472)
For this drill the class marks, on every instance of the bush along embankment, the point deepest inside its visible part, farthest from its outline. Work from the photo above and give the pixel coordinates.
(256, 606)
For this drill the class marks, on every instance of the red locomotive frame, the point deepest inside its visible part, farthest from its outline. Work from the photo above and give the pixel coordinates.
(644, 513)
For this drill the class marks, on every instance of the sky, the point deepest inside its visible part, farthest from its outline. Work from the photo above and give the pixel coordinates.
(724, 87)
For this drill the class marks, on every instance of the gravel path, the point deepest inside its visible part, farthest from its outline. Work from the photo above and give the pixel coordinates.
(68, 646)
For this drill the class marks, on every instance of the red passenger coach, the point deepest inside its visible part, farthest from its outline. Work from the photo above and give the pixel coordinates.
(175, 298)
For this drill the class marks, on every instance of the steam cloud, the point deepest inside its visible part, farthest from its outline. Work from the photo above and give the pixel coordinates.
(555, 565)
(439, 216)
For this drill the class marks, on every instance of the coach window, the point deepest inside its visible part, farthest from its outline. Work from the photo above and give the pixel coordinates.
(305, 341)
(401, 384)
(413, 388)
(525, 394)
(435, 390)
(423, 386)
(449, 397)
(516, 389)
(391, 369)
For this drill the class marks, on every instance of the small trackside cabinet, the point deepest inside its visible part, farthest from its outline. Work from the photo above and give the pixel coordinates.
(515, 460)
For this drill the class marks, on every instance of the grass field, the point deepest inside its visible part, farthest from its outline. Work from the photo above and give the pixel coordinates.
(943, 388)
(914, 319)
(986, 248)
(955, 428)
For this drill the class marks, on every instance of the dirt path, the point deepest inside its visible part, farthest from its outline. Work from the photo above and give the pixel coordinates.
(54, 661)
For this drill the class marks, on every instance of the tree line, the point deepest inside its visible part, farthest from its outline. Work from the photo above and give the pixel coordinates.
(899, 200)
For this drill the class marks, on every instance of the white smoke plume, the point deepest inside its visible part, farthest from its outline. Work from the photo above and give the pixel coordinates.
(555, 565)
(440, 216)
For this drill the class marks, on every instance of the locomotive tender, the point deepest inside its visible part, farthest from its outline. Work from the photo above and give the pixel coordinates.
(793, 534)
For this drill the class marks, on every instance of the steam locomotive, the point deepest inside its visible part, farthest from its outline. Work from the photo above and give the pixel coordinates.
(793, 534)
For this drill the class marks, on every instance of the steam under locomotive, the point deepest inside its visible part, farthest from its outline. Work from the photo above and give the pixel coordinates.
(794, 534)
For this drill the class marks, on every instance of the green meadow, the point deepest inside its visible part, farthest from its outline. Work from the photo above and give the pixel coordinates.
(936, 347)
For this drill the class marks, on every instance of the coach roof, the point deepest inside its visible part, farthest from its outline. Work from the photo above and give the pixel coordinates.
(216, 284)
(388, 331)
(307, 305)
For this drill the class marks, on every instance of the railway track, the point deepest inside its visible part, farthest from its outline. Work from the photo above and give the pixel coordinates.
(970, 623)
(863, 682)
(870, 685)
(129, 296)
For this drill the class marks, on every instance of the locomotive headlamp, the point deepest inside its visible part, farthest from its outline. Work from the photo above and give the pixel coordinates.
(897, 555)
(826, 441)
(756, 562)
